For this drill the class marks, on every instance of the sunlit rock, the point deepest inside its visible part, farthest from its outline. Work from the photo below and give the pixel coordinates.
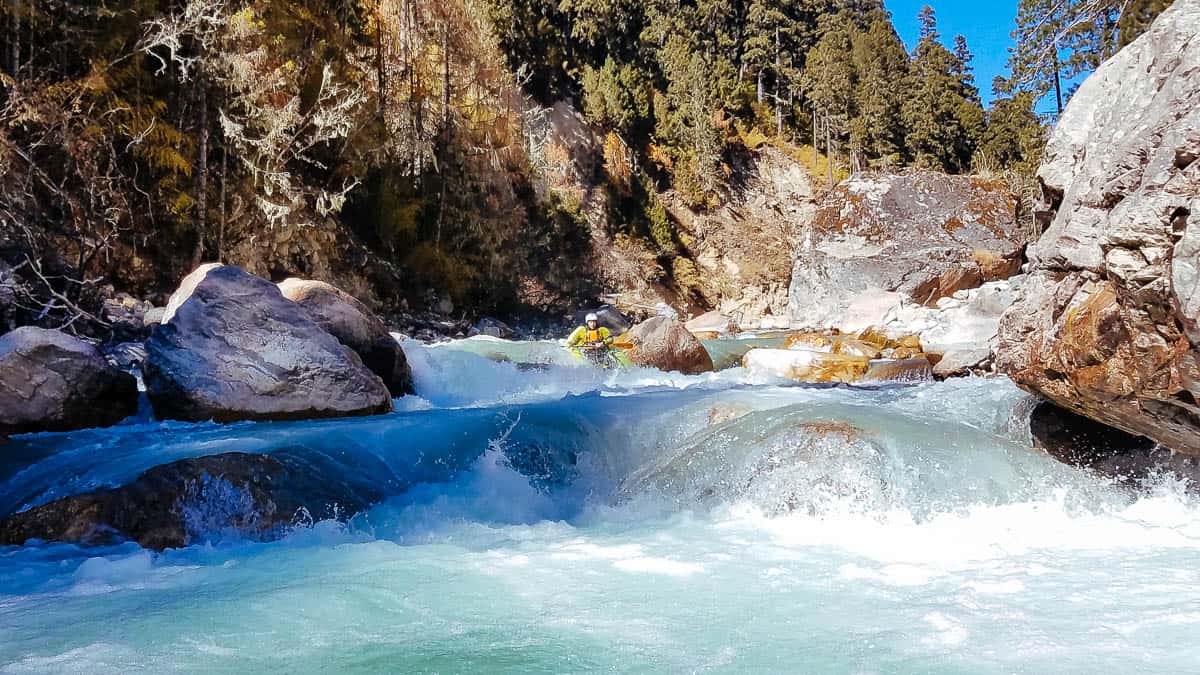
(914, 369)
(805, 366)
(1106, 324)
(665, 344)
(881, 240)
(712, 322)
(354, 325)
(232, 348)
(50, 381)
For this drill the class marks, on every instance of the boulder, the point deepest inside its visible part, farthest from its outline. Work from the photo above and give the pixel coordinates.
(50, 381)
(712, 322)
(493, 328)
(609, 317)
(806, 467)
(962, 362)
(880, 240)
(665, 344)
(802, 365)
(231, 347)
(348, 320)
(1107, 324)
(196, 500)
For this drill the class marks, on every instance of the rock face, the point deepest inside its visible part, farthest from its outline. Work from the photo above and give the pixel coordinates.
(879, 240)
(348, 320)
(50, 381)
(1109, 322)
(1079, 441)
(665, 344)
(193, 500)
(743, 249)
(231, 347)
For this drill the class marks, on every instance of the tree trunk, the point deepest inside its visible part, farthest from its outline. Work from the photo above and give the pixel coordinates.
(221, 222)
(760, 86)
(829, 151)
(1058, 80)
(814, 127)
(778, 89)
(201, 175)
(380, 71)
(15, 38)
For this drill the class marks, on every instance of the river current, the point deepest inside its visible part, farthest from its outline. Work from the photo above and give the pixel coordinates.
(553, 518)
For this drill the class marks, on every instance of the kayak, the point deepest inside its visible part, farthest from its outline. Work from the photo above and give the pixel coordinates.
(602, 358)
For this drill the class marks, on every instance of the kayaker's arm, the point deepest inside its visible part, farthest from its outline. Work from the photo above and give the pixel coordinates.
(576, 337)
(606, 336)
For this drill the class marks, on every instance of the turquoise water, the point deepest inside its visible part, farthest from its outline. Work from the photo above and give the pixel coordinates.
(558, 519)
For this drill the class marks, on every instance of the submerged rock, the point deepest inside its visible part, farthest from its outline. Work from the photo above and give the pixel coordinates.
(807, 467)
(194, 500)
(881, 240)
(665, 344)
(348, 320)
(233, 348)
(1106, 325)
(50, 381)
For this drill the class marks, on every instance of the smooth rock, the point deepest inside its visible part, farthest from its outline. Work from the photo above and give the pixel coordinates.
(807, 468)
(354, 325)
(801, 365)
(191, 501)
(961, 362)
(1106, 325)
(50, 381)
(712, 322)
(665, 344)
(233, 348)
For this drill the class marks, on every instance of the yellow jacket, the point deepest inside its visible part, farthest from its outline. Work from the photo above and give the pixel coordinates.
(583, 336)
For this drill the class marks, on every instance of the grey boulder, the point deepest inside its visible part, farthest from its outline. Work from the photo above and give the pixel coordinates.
(50, 381)
(347, 319)
(231, 347)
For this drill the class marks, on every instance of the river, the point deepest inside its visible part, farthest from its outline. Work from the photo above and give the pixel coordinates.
(551, 518)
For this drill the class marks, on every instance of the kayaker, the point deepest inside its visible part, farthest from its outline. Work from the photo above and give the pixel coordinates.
(591, 335)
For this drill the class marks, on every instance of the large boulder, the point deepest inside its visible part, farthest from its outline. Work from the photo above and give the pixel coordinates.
(881, 240)
(195, 500)
(1109, 321)
(50, 381)
(665, 344)
(355, 326)
(609, 317)
(231, 347)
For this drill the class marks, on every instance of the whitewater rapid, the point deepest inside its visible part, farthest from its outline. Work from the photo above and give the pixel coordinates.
(551, 518)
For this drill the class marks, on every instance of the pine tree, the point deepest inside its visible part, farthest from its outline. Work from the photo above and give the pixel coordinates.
(1014, 136)
(1057, 40)
(882, 67)
(968, 105)
(933, 110)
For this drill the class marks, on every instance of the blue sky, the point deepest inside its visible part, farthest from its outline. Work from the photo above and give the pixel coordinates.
(987, 25)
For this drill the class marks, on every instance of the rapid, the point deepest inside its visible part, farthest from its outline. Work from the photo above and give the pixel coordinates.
(547, 517)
